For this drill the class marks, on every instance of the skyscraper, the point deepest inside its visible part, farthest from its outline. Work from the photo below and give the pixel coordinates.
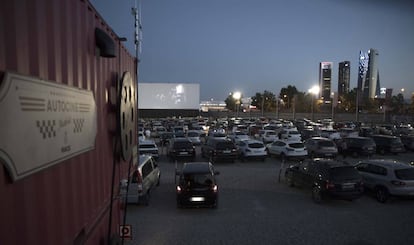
(368, 79)
(344, 73)
(325, 78)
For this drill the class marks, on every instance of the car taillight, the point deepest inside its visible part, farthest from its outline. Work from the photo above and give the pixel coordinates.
(329, 185)
(178, 189)
(215, 188)
(397, 182)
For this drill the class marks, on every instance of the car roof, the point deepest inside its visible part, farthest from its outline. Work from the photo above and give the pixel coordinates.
(320, 138)
(249, 141)
(146, 142)
(196, 167)
(331, 163)
(388, 163)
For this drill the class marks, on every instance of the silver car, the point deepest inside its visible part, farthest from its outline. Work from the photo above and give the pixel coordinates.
(387, 178)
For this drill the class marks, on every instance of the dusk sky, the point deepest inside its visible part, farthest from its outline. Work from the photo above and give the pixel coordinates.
(256, 45)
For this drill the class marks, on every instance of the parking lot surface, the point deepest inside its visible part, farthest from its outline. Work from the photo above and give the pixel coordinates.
(257, 207)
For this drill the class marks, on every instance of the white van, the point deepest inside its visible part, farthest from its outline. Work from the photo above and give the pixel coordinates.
(143, 179)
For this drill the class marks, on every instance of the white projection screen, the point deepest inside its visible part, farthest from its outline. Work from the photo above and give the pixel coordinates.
(169, 96)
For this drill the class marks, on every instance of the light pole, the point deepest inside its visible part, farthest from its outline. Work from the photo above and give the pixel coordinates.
(237, 97)
(313, 91)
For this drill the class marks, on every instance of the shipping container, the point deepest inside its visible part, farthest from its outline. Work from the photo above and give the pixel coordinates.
(68, 126)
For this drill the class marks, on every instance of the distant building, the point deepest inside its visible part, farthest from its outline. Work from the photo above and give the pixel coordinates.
(325, 80)
(212, 105)
(368, 79)
(344, 74)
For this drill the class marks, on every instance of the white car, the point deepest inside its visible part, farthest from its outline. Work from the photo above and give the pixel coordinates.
(287, 149)
(148, 147)
(268, 136)
(238, 136)
(290, 134)
(252, 149)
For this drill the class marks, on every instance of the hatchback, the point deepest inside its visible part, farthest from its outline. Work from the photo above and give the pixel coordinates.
(321, 147)
(181, 148)
(287, 149)
(148, 147)
(358, 145)
(216, 149)
(197, 185)
(252, 149)
(326, 178)
(388, 144)
(387, 178)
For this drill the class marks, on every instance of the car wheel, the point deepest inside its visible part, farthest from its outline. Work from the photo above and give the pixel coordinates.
(316, 194)
(381, 194)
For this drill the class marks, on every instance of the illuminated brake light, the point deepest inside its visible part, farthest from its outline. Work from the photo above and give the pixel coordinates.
(215, 188)
(397, 182)
(178, 189)
(329, 185)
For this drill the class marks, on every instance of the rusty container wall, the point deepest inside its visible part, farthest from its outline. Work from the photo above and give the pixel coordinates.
(70, 201)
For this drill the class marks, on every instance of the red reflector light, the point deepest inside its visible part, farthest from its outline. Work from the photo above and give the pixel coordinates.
(329, 185)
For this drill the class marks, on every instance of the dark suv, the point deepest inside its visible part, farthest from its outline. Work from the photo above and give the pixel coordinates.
(388, 144)
(197, 185)
(181, 148)
(357, 145)
(219, 149)
(326, 178)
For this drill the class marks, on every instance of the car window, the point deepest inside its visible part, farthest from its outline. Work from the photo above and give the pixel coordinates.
(256, 145)
(375, 169)
(182, 144)
(224, 145)
(241, 143)
(343, 173)
(197, 180)
(405, 174)
(363, 167)
(146, 169)
(326, 143)
(297, 145)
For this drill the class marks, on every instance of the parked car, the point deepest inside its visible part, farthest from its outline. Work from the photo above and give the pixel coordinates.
(216, 149)
(321, 147)
(252, 149)
(238, 136)
(267, 136)
(357, 145)
(166, 137)
(408, 141)
(287, 149)
(148, 147)
(142, 181)
(197, 185)
(387, 178)
(181, 148)
(326, 178)
(290, 134)
(388, 144)
(194, 137)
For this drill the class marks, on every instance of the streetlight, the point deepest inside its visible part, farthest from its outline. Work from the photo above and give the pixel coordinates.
(313, 91)
(237, 97)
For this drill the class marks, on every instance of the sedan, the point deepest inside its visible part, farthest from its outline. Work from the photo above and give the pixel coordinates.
(252, 149)
(287, 149)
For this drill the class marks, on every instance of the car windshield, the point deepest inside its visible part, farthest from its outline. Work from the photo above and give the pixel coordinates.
(294, 132)
(405, 174)
(297, 145)
(326, 143)
(192, 134)
(198, 180)
(256, 145)
(224, 145)
(183, 144)
(146, 146)
(343, 173)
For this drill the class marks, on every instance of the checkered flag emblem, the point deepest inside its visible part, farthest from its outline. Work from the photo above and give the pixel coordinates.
(78, 125)
(47, 128)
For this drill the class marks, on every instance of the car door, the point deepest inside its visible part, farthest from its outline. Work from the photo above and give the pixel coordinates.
(302, 174)
(365, 170)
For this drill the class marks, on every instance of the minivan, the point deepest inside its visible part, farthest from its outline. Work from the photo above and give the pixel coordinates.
(388, 143)
(142, 181)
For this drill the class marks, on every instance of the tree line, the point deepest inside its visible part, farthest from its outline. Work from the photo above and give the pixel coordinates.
(291, 99)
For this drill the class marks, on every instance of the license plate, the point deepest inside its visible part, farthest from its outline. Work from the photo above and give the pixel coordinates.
(328, 155)
(348, 186)
(197, 199)
(183, 153)
(370, 149)
(226, 151)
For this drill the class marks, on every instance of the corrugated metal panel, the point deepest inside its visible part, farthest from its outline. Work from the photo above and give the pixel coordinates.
(54, 40)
